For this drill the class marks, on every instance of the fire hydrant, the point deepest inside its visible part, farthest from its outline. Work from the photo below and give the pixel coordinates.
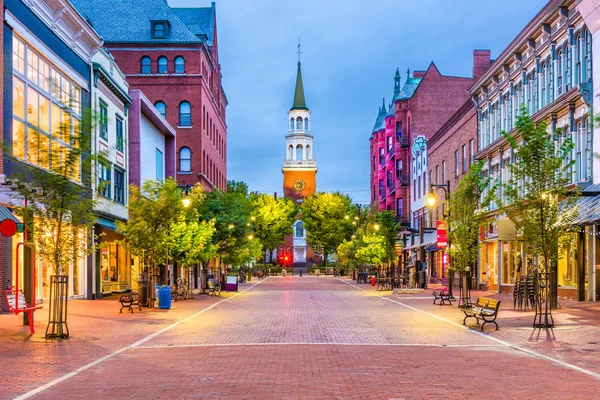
(373, 281)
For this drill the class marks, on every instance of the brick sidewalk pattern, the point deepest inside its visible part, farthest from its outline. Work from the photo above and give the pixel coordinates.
(307, 338)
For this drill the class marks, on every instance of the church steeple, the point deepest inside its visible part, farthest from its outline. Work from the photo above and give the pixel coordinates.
(299, 100)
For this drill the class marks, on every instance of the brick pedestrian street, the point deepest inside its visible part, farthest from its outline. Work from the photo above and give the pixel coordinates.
(309, 337)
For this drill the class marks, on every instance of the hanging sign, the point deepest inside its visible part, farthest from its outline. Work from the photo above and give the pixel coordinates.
(442, 234)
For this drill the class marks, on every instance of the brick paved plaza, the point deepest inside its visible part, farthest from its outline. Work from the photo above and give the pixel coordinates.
(301, 338)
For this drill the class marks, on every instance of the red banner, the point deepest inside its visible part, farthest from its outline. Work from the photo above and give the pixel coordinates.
(442, 234)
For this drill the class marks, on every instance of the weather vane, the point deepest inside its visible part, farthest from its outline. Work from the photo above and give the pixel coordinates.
(299, 52)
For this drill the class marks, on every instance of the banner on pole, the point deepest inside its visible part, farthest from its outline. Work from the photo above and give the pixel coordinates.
(442, 234)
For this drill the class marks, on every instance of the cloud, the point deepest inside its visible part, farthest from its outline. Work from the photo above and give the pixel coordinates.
(350, 50)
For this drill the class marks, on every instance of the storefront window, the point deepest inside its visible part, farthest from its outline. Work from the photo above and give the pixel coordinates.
(114, 264)
(512, 262)
(567, 265)
(41, 121)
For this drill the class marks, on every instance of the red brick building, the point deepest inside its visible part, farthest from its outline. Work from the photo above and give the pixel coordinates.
(419, 108)
(450, 152)
(172, 56)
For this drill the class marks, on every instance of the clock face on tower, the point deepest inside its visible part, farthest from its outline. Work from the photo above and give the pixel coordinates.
(299, 185)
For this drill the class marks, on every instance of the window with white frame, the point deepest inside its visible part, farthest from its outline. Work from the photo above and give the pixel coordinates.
(46, 113)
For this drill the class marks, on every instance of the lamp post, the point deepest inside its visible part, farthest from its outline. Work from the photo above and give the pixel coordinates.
(431, 201)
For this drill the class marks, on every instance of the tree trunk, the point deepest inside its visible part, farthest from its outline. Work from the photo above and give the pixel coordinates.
(554, 283)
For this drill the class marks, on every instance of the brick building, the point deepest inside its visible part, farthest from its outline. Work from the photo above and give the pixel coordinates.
(547, 68)
(48, 49)
(448, 155)
(172, 55)
(418, 109)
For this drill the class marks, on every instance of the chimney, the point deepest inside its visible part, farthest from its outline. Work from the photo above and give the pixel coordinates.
(418, 74)
(481, 62)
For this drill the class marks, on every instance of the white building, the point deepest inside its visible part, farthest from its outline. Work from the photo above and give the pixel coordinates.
(110, 102)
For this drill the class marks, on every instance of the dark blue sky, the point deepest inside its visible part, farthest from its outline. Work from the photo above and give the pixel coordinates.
(350, 53)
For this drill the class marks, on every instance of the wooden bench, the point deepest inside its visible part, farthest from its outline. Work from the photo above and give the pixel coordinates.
(15, 300)
(443, 295)
(129, 300)
(484, 309)
(214, 289)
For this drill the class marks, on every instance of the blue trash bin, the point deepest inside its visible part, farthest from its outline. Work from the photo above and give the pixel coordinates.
(156, 291)
(164, 297)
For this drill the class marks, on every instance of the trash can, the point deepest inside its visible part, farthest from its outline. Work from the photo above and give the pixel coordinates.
(164, 297)
(156, 292)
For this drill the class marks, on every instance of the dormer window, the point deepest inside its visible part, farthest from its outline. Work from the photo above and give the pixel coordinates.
(160, 29)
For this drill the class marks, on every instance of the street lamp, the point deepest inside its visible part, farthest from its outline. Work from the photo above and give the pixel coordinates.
(250, 237)
(186, 200)
(431, 201)
(376, 226)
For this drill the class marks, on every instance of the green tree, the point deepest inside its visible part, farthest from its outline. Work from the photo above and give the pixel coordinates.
(537, 198)
(153, 211)
(467, 214)
(231, 212)
(56, 203)
(388, 229)
(272, 219)
(327, 220)
(371, 249)
(347, 252)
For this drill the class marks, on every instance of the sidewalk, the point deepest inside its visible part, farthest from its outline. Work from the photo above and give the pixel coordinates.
(96, 328)
(575, 338)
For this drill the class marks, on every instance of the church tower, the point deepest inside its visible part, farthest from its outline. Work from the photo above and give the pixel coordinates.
(299, 170)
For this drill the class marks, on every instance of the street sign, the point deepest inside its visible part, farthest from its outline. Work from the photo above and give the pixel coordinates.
(442, 234)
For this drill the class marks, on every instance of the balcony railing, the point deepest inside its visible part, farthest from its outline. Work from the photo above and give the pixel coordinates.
(404, 142)
(300, 163)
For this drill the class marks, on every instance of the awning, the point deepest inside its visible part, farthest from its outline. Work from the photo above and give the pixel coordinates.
(589, 211)
(419, 245)
(107, 223)
(9, 224)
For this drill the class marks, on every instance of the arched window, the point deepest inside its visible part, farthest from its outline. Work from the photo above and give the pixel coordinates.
(163, 65)
(291, 124)
(185, 159)
(185, 114)
(162, 108)
(290, 152)
(159, 30)
(299, 153)
(308, 152)
(299, 123)
(179, 65)
(145, 65)
(299, 229)
(305, 124)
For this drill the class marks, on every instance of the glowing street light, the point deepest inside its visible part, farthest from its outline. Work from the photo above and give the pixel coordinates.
(346, 217)
(250, 237)
(376, 226)
(186, 200)
(431, 199)
(231, 226)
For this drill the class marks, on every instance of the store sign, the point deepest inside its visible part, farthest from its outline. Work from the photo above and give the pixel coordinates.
(442, 234)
